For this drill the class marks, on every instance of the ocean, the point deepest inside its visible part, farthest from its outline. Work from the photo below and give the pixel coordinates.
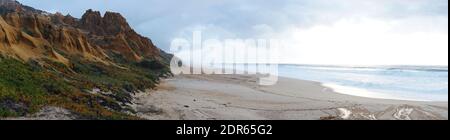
(415, 83)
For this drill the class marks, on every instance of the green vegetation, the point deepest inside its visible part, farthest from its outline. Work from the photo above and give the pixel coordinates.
(27, 87)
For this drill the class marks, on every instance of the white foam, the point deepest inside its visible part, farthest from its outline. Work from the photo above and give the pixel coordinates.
(366, 93)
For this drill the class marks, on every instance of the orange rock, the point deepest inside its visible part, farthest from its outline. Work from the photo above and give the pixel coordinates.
(27, 33)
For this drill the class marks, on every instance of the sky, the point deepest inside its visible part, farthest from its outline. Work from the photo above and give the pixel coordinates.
(334, 32)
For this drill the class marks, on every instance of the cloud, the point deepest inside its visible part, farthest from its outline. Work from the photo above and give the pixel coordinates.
(384, 25)
(366, 42)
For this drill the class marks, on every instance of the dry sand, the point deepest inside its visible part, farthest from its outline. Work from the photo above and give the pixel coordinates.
(233, 97)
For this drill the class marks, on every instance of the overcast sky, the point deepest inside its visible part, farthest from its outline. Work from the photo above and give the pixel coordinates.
(351, 32)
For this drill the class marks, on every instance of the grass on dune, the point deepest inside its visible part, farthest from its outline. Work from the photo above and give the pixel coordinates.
(26, 87)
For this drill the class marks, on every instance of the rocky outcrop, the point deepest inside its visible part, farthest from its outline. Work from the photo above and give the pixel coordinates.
(14, 6)
(112, 32)
(110, 24)
(27, 33)
(34, 36)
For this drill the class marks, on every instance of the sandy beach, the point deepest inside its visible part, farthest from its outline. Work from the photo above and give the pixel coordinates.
(238, 97)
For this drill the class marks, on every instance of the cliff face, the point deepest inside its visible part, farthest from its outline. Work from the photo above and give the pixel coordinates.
(27, 33)
(112, 32)
(89, 66)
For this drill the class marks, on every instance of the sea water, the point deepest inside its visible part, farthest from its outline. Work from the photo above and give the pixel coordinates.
(412, 83)
(416, 83)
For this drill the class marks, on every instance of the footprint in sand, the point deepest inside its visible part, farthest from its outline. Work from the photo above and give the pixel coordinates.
(403, 113)
(344, 113)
